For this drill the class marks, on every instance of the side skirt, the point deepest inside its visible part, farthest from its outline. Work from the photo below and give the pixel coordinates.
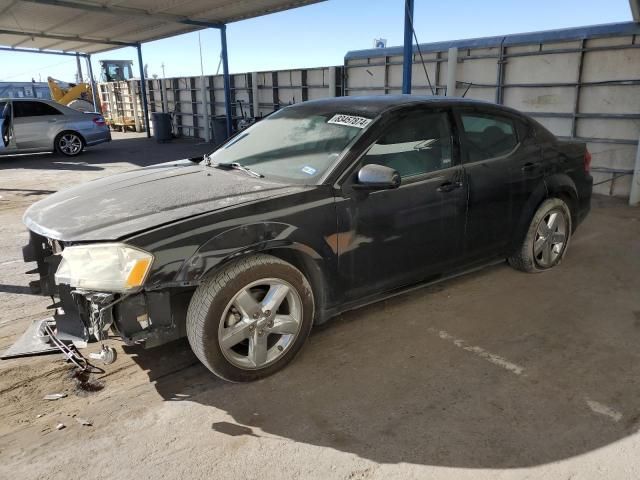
(325, 315)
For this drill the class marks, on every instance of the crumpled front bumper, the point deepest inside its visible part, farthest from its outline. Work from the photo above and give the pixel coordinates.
(70, 326)
(151, 318)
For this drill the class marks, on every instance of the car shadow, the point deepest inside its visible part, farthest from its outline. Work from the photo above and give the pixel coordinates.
(392, 384)
(136, 150)
(28, 192)
(20, 289)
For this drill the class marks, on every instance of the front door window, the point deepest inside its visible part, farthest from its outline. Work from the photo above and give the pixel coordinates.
(416, 144)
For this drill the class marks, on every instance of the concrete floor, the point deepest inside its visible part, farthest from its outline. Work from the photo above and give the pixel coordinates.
(497, 374)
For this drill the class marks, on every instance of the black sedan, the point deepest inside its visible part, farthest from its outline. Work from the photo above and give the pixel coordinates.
(322, 207)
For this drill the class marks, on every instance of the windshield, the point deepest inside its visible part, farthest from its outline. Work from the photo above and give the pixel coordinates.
(292, 144)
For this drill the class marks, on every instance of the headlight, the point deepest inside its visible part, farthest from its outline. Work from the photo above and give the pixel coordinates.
(109, 267)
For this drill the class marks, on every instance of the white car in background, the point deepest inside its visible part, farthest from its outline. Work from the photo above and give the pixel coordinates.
(33, 126)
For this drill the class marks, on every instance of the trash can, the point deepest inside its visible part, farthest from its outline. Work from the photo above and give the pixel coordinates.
(219, 129)
(161, 126)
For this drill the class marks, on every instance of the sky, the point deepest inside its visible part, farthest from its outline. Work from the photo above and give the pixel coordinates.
(321, 34)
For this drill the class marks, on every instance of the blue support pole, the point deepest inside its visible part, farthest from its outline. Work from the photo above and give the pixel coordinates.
(227, 83)
(408, 47)
(143, 92)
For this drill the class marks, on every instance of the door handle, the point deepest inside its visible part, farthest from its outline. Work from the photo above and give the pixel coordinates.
(449, 186)
(530, 166)
(52, 120)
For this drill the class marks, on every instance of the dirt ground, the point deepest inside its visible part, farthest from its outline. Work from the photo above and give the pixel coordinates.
(497, 374)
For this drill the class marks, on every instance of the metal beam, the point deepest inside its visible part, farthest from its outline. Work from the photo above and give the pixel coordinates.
(227, 83)
(635, 10)
(79, 66)
(51, 45)
(137, 12)
(66, 38)
(549, 36)
(452, 67)
(634, 195)
(29, 50)
(78, 46)
(21, 42)
(92, 81)
(8, 7)
(407, 60)
(143, 91)
(500, 73)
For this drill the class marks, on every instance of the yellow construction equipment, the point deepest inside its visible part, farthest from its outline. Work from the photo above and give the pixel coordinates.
(78, 96)
(116, 75)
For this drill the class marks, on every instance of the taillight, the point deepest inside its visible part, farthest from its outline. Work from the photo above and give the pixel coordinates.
(587, 160)
(99, 121)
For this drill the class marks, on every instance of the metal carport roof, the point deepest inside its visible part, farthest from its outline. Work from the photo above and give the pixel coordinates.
(96, 26)
(85, 27)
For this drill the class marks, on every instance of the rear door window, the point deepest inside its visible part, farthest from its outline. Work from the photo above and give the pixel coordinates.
(487, 136)
(33, 109)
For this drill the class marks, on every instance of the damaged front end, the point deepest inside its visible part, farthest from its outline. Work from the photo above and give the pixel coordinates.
(77, 278)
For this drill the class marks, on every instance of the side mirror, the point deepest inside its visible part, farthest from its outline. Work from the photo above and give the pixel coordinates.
(377, 177)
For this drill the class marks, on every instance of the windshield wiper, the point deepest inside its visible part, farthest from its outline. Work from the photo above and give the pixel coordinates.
(237, 166)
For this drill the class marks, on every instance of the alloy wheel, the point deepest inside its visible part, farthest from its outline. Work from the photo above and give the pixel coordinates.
(260, 323)
(551, 238)
(70, 144)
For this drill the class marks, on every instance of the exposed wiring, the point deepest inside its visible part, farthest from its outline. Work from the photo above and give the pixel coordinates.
(70, 352)
(418, 47)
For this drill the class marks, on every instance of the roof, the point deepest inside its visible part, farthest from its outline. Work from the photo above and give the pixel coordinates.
(545, 36)
(92, 26)
(373, 105)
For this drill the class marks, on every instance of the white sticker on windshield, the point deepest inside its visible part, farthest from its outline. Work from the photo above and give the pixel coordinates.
(308, 170)
(350, 120)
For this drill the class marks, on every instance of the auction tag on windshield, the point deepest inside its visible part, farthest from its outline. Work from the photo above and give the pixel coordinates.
(350, 120)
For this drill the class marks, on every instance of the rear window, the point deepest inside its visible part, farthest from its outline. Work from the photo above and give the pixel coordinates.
(487, 136)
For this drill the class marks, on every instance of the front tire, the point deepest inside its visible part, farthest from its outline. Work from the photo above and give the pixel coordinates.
(69, 144)
(251, 318)
(547, 238)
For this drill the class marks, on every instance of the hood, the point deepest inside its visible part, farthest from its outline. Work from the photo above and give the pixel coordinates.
(120, 205)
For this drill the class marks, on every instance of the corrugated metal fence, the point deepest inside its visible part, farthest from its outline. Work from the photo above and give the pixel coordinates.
(190, 99)
(581, 83)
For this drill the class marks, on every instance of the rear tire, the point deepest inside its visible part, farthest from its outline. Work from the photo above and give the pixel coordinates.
(251, 318)
(69, 144)
(547, 238)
